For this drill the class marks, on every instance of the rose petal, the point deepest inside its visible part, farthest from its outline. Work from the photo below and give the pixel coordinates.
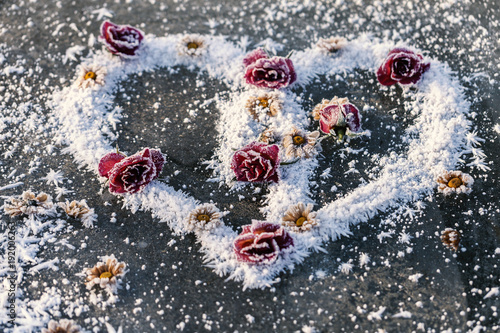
(254, 56)
(353, 117)
(158, 160)
(107, 162)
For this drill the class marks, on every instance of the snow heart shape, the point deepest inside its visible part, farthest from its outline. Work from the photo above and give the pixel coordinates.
(435, 141)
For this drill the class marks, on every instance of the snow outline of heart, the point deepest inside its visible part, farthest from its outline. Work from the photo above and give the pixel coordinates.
(436, 141)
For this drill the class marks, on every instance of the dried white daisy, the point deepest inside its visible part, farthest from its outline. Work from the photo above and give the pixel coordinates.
(268, 103)
(270, 136)
(299, 218)
(62, 326)
(205, 217)
(325, 102)
(79, 210)
(299, 143)
(331, 45)
(106, 274)
(193, 45)
(90, 76)
(454, 182)
(451, 238)
(28, 204)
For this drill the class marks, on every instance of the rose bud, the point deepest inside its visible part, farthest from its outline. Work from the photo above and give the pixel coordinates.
(337, 115)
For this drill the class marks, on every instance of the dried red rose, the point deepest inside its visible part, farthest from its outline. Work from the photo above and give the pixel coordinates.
(265, 72)
(261, 242)
(122, 40)
(256, 162)
(338, 115)
(131, 174)
(401, 66)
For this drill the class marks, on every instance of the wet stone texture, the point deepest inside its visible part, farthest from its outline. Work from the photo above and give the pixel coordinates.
(419, 285)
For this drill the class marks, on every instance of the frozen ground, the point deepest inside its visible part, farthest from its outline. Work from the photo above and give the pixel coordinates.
(412, 282)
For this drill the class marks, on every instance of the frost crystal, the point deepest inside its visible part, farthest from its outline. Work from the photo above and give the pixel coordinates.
(364, 259)
(346, 268)
(415, 277)
(54, 177)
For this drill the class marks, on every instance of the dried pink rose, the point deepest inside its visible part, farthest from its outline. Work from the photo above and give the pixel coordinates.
(265, 72)
(338, 115)
(261, 242)
(256, 162)
(401, 66)
(131, 174)
(122, 40)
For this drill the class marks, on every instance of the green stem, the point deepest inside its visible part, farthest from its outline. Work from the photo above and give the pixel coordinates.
(340, 132)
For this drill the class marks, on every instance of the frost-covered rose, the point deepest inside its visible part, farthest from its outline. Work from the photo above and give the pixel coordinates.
(261, 242)
(256, 162)
(131, 174)
(265, 72)
(122, 40)
(401, 66)
(337, 115)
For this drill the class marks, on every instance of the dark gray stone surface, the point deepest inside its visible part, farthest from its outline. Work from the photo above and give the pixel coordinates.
(450, 295)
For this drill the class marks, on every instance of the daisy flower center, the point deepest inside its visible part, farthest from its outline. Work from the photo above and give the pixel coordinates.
(300, 221)
(298, 140)
(105, 275)
(455, 182)
(203, 217)
(263, 102)
(192, 45)
(90, 75)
